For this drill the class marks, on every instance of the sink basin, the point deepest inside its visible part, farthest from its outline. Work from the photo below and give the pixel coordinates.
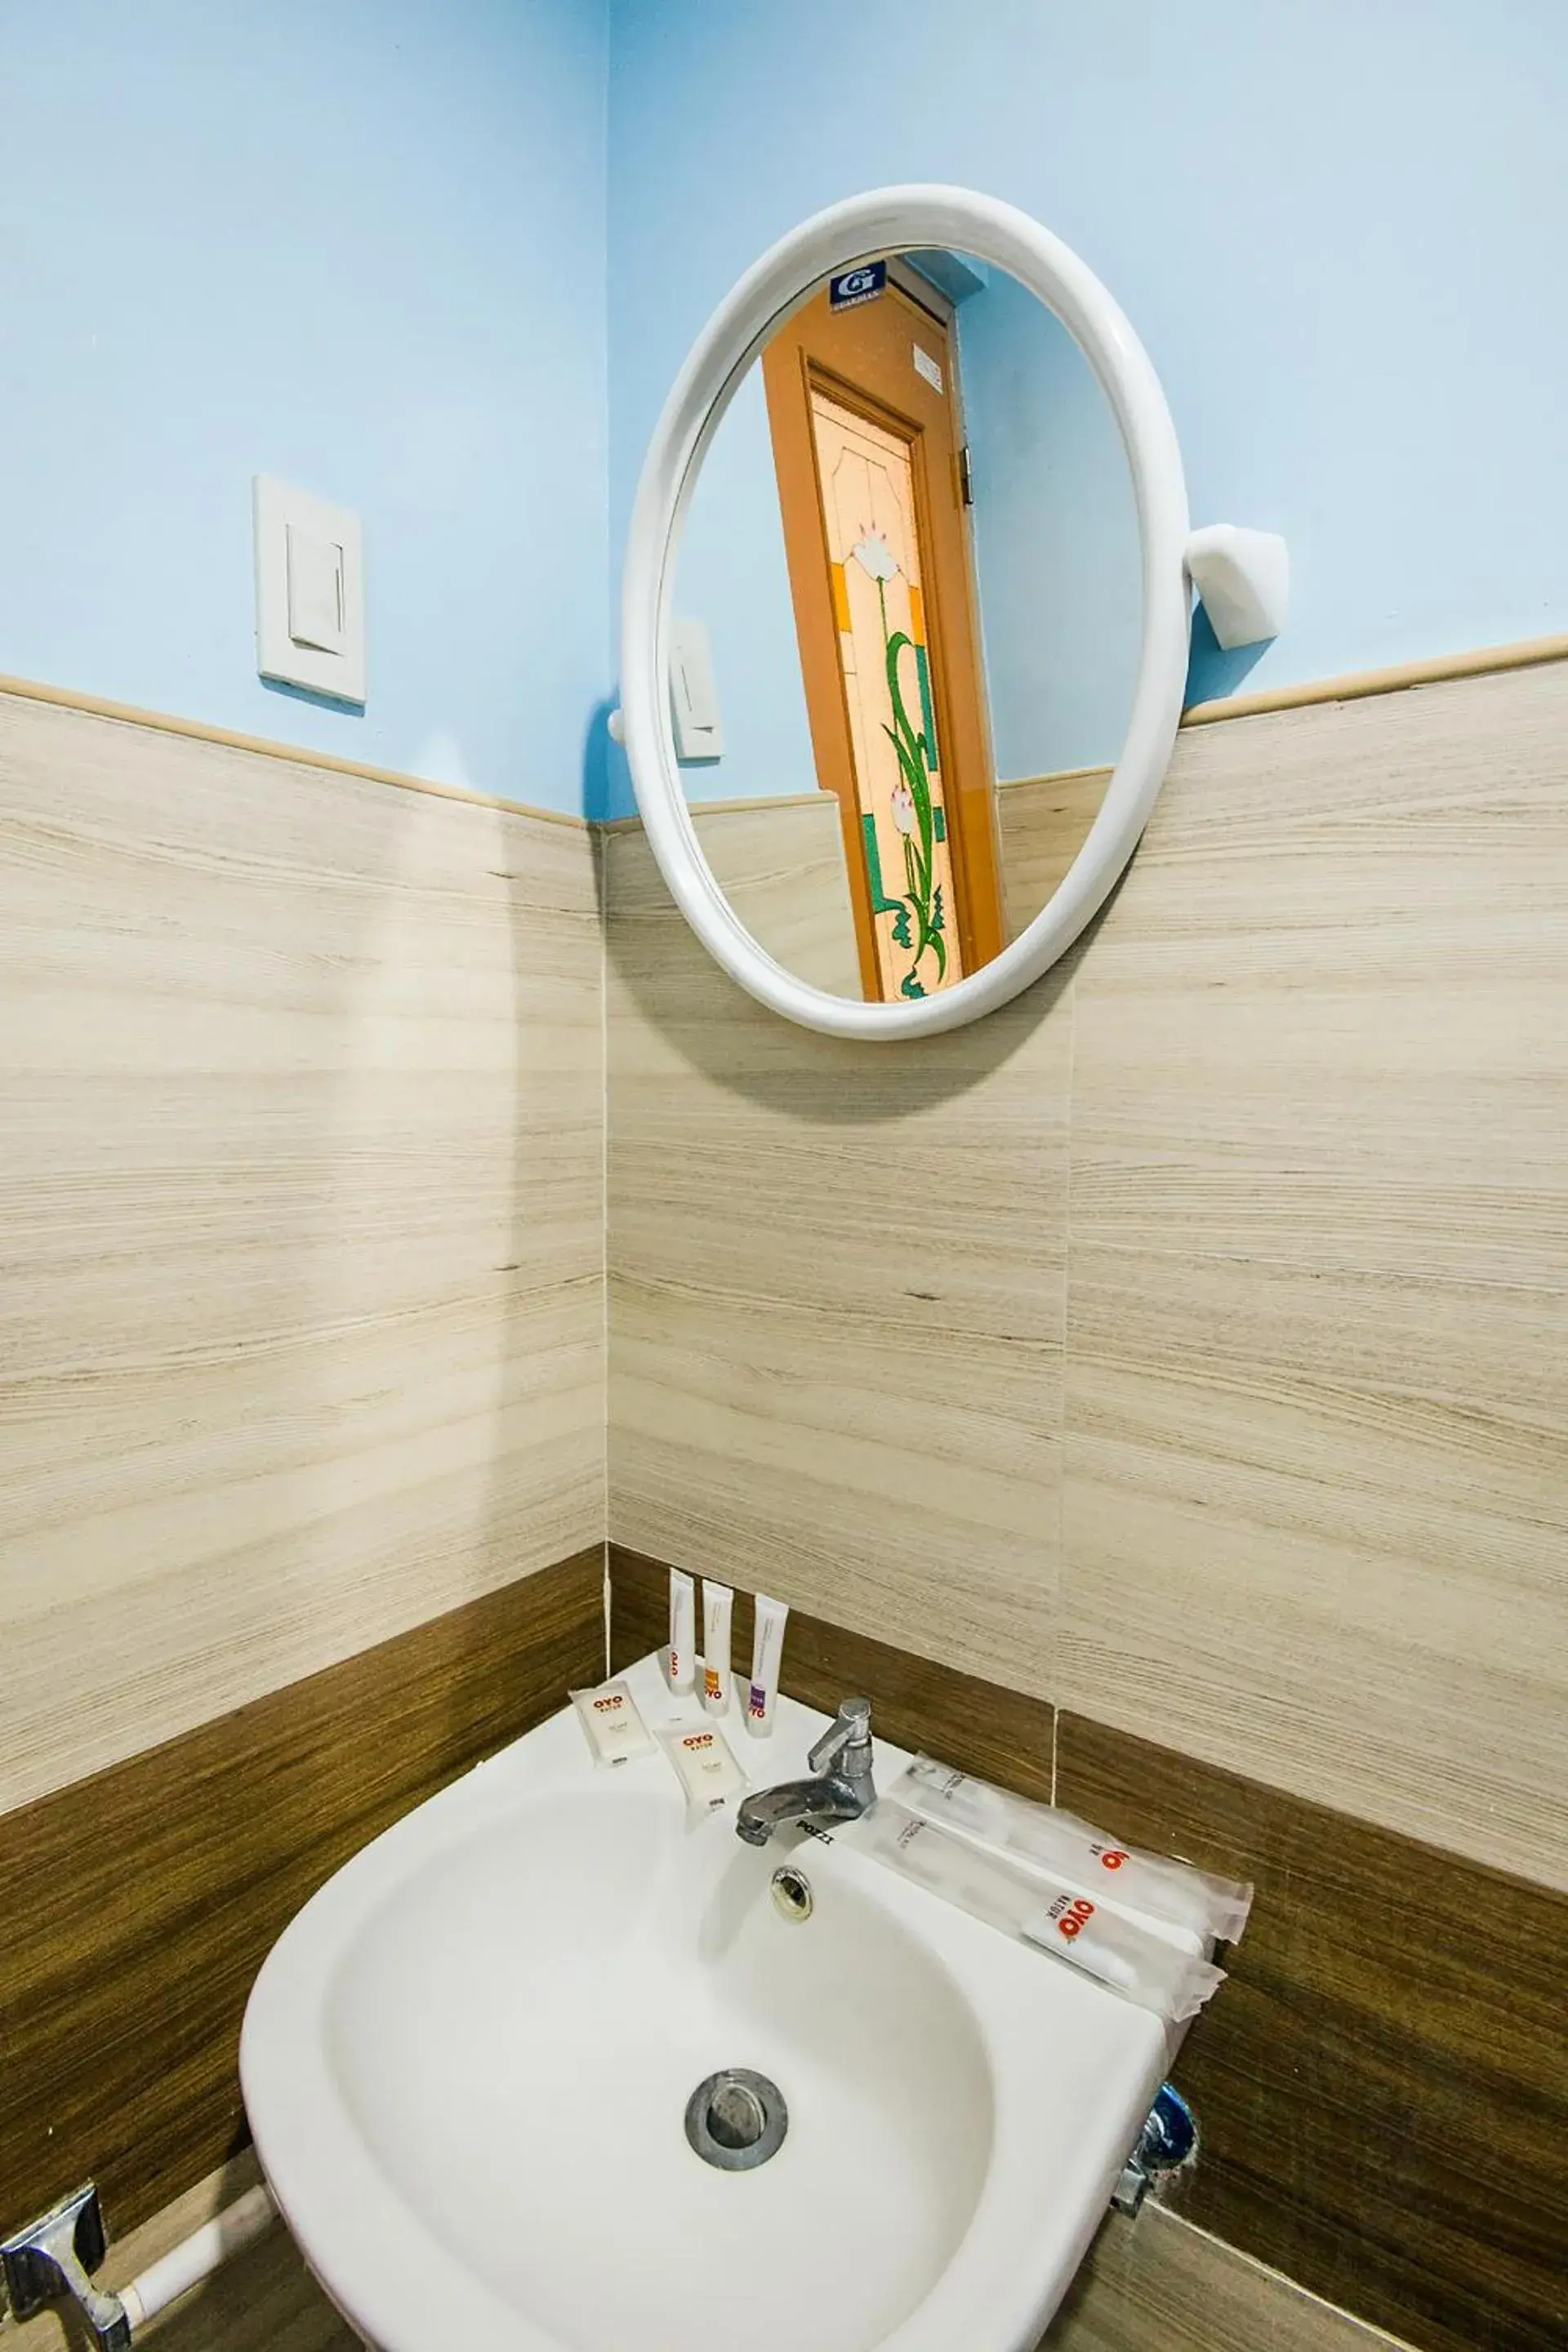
(467, 2064)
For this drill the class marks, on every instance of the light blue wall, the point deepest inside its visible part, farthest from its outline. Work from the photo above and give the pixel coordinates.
(358, 245)
(362, 246)
(1337, 227)
(1055, 537)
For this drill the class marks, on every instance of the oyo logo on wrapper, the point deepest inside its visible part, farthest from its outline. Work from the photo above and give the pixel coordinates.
(611, 1705)
(1109, 1857)
(1070, 1914)
(698, 1742)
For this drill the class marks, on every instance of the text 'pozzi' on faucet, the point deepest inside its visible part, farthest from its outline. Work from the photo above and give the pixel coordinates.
(842, 1791)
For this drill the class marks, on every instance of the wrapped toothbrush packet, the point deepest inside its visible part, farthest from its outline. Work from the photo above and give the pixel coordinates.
(1137, 1922)
(1215, 1909)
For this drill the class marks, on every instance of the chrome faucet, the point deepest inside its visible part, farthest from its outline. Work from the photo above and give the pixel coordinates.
(842, 1790)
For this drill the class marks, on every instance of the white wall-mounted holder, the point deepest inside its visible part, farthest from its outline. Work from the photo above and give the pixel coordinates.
(309, 592)
(1243, 579)
(891, 220)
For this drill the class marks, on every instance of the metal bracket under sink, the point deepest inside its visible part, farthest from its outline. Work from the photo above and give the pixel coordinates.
(49, 2260)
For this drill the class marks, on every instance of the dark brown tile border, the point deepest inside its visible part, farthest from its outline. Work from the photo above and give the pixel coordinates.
(138, 1903)
(1156, 2284)
(997, 1733)
(1382, 2086)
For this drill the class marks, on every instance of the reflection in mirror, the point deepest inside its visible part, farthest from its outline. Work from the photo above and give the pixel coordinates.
(906, 620)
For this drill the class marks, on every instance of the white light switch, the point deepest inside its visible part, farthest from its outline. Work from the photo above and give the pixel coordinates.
(309, 592)
(694, 693)
(316, 603)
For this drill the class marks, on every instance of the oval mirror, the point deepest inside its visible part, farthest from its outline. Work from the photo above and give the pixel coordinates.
(905, 615)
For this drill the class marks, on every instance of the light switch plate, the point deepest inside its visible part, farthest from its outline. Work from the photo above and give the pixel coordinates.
(317, 600)
(309, 592)
(694, 693)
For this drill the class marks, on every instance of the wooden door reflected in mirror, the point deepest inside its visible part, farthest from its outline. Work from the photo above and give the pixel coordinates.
(864, 409)
(912, 548)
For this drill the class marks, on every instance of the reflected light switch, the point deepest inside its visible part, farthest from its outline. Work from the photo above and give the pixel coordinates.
(694, 693)
(309, 592)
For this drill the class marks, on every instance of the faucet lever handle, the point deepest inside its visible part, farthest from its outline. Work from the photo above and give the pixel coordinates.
(852, 1728)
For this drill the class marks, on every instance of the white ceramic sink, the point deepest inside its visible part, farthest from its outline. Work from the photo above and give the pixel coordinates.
(467, 2065)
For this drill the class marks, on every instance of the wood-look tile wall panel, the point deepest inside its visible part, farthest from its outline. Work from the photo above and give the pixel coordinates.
(301, 1223)
(837, 1277)
(1042, 822)
(781, 865)
(267, 2301)
(1317, 1467)
(1310, 1069)
(152, 1892)
(1381, 2084)
(1156, 2284)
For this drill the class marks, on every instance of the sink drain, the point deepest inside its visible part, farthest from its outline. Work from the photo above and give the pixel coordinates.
(793, 1897)
(736, 2119)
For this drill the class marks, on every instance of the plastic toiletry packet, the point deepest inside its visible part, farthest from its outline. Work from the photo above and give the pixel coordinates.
(1136, 1961)
(705, 1765)
(1215, 1909)
(615, 1731)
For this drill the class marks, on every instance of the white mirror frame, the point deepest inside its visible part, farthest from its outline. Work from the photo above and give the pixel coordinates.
(885, 221)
